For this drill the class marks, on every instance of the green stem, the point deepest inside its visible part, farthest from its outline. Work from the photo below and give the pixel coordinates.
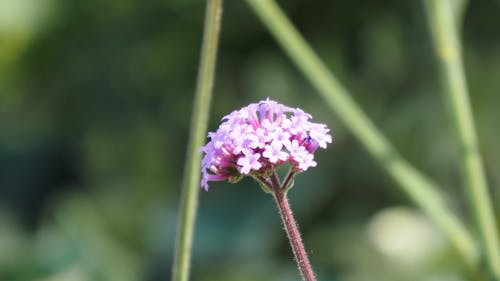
(419, 188)
(199, 122)
(448, 47)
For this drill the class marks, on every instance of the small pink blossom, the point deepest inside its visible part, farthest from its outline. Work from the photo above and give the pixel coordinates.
(320, 134)
(274, 152)
(258, 139)
(281, 136)
(249, 162)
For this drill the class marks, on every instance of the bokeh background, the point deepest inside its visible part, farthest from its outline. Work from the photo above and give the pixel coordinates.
(95, 102)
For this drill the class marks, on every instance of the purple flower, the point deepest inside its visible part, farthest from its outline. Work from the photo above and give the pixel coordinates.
(248, 162)
(255, 139)
(274, 152)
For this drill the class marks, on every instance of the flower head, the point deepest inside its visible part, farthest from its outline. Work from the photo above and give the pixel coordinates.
(259, 137)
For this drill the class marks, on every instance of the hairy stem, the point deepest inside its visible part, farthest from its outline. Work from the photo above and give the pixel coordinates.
(420, 189)
(199, 122)
(293, 235)
(288, 182)
(446, 38)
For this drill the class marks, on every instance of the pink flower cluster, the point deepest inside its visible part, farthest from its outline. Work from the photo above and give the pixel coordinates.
(259, 137)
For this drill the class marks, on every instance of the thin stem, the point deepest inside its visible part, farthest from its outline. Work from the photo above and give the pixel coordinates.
(289, 177)
(418, 187)
(265, 182)
(275, 181)
(294, 235)
(199, 122)
(444, 28)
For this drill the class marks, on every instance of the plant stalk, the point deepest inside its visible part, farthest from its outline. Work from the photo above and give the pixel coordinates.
(444, 27)
(293, 234)
(420, 189)
(199, 123)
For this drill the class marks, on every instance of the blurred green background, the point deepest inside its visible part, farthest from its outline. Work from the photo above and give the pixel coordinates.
(95, 101)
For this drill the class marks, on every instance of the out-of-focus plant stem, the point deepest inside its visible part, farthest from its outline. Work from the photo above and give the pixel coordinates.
(198, 129)
(449, 52)
(418, 187)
